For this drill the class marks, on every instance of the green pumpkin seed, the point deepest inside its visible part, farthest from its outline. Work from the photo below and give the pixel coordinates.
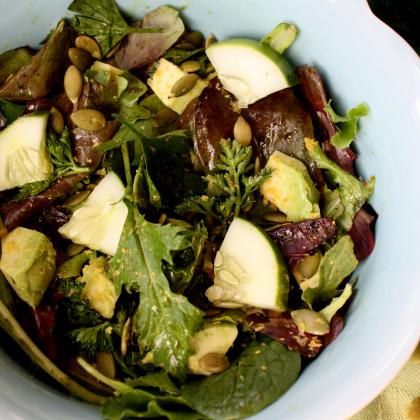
(165, 117)
(74, 249)
(186, 46)
(275, 217)
(211, 39)
(88, 119)
(80, 58)
(56, 120)
(184, 85)
(242, 132)
(214, 363)
(73, 83)
(311, 322)
(77, 199)
(190, 66)
(89, 45)
(307, 267)
(106, 364)
(195, 38)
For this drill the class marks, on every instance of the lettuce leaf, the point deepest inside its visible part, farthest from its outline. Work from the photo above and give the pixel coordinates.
(164, 321)
(337, 303)
(352, 192)
(346, 126)
(336, 264)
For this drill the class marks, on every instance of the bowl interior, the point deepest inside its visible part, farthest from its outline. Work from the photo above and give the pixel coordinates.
(362, 61)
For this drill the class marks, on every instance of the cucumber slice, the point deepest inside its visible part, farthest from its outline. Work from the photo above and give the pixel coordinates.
(249, 270)
(249, 69)
(24, 156)
(99, 222)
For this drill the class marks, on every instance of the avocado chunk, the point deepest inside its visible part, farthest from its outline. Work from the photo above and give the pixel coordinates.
(24, 156)
(210, 345)
(28, 263)
(291, 188)
(99, 290)
(249, 69)
(164, 79)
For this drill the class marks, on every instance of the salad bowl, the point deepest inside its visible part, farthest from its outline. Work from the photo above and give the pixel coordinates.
(362, 60)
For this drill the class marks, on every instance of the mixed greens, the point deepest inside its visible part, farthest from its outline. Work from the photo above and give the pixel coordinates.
(179, 217)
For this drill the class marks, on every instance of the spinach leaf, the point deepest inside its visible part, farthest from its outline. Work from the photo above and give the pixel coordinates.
(61, 154)
(102, 20)
(262, 373)
(31, 189)
(346, 126)
(337, 263)
(353, 193)
(10, 110)
(229, 186)
(159, 380)
(164, 321)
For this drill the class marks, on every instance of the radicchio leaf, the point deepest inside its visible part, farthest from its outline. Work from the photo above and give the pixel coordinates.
(298, 240)
(280, 327)
(144, 48)
(336, 326)
(361, 234)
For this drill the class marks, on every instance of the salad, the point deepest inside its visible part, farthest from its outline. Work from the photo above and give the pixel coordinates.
(180, 217)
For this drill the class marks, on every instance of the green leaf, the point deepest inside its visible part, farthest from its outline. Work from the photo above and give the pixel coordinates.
(229, 185)
(333, 207)
(102, 20)
(337, 303)
(159, 380)
(262, 373)
(10, 110)
(61, 154)
(353, 193)
(164, 321)
(12, 61)
(281, 37)
(186, 261)
(337, 263)
(346, 126)
(178, 56)
(73, 266)
(31, 189)
(92, 340)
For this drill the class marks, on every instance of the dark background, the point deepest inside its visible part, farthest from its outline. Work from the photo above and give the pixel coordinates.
(403, 16)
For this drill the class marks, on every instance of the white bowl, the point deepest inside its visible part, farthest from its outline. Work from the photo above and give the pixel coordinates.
(362, 60)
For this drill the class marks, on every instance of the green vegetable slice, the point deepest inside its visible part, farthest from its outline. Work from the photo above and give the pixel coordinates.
(264, 371)
(164, 321)
(102, 20)
(281, 37)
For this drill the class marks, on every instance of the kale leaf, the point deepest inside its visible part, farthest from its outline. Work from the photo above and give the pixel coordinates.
(102, 20)
(229, 185)
(346, 126)
(262, 373)
(61, 154)
(164, 321)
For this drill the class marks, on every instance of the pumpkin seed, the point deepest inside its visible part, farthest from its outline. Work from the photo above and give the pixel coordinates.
(88, 119)
(184, 85)
(89, 45)
(162, 218)
(73, 83)
(106, 364)
(214, 362)
(307, 267)
(165, 117)
(77, 199)
(178, 222)
(186, 46)
(56, 120)
(3, 230)
(275, 217)
(74, 249)
(311, 322)
(80, 58)
(125, 336)
(242, 132)
(195, 38)
(190, 66)
(211, 39)
(257, 165)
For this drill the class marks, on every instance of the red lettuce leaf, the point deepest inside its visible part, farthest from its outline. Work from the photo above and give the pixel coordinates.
(361, 234)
